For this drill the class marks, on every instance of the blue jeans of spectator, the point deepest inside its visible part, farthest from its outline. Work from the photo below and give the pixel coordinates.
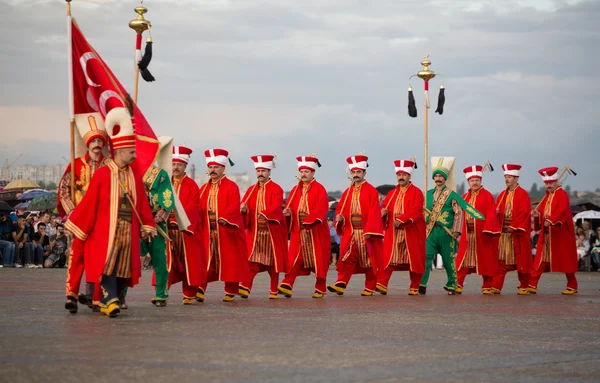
(596, 258)
(38, 257)
(28, 252)
(8, 252)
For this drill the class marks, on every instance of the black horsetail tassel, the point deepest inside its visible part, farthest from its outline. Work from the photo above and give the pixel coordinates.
(145, 61)
(441, 100)
(412, 108)
(230, 162)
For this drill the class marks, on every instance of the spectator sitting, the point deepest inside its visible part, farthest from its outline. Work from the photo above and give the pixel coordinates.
(44, 218)
(596, 250)
(19, 235)
(41, 243)
(7, 246)
(51, 227)
(335, 242)
(29, 222)
(59, 246)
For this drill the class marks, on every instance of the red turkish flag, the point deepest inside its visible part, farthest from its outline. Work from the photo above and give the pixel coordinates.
(96, 89)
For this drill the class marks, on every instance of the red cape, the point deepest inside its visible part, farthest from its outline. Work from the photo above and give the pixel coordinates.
(273, 212)
(195, 265)
(81, 165)
(563, 246)
(486, 234)
(232, 236)
(412, 221)
(318, 205)
(521, 224)
(371, 220)
(94, 221)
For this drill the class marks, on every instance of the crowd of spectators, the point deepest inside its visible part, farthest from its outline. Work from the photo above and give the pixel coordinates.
(33, 241)
(588, 246)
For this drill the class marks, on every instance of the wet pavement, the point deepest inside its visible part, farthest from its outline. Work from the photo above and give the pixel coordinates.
(546, 337)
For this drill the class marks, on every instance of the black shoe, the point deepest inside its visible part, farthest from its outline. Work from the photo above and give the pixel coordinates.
(450, 292)
(161, 303)
(95, 308)
(85, 300)
(422, 290)
(71, 305)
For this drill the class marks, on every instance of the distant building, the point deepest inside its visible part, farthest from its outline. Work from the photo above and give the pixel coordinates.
(36, 173)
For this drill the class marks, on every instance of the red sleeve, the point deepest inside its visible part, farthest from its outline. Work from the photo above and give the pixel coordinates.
(82, 218)
(521, 215)
(318, 207)
(339, 226)
(143, 207)
(274, 204)
(560, 210)
(229, 205)
(492, 223)
(374, 225)
(414, 209)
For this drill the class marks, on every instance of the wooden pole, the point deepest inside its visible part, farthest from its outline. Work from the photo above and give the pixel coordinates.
(71, 99)
(135, 84)
(72, 125)
(426, 149)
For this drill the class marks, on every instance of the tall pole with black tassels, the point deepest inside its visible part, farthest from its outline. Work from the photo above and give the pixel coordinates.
(140, 25)
(426, 75)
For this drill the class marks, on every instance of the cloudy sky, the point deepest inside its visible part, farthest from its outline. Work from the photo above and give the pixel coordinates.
(327, 76)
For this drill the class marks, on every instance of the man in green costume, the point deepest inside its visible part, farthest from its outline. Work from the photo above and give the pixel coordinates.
(444, 221)
(163, 200)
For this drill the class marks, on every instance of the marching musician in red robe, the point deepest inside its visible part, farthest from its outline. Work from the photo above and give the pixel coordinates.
(556, 249)
(358, 222)
(306, 214)
(478, 246)
(266, 235)
(223, 227)
(404, 241)
(111, 216)
(186, 263)
(513, 207)
(91, 129)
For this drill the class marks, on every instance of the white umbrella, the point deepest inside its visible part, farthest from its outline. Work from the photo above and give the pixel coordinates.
(588, 214)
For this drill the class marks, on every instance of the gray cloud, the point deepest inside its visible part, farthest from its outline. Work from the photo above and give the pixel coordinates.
(330, 77)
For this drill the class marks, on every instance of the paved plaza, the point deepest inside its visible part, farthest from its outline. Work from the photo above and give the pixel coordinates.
(396, 338)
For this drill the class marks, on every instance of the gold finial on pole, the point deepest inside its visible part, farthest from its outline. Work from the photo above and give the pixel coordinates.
(426, 74)
(139, 25)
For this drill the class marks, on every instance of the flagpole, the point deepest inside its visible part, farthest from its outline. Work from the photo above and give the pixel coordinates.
(426, 74)
(71, 98)
(139, 25)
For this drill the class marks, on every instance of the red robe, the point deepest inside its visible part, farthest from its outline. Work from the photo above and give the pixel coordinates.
(563, 246)
(521, 224)
(486, 234)
(94, 220)
(412, 221)
(82, 180)
(195, 266)
(232, 236)
(318, 205)
(273, 212)
(371, 221)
